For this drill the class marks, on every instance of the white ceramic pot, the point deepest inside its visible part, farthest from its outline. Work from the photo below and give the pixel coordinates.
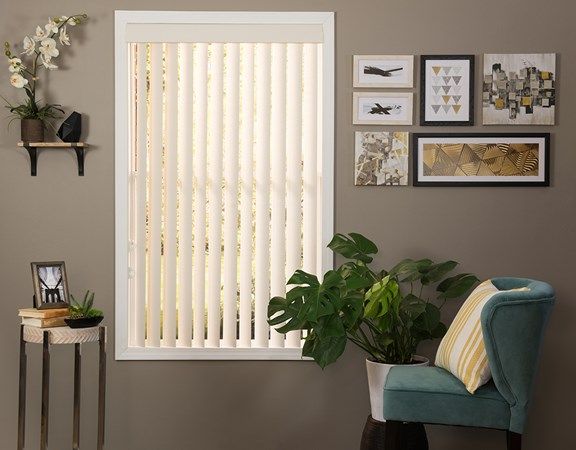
(377, 374)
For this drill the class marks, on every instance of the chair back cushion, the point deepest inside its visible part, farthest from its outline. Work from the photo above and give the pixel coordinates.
(513, 324)
(462, 351)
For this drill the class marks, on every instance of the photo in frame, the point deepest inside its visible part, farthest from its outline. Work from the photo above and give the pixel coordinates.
(519, 89)
(481, 159)
(382, 108)
(447, 90)
(50, 284)
(381, 158)
(383, 71)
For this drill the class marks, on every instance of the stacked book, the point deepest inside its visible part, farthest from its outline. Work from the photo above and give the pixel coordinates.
(43, 318)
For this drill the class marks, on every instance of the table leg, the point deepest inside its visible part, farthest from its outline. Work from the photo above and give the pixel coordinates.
(45, 391)
(77, 390)
(102, 388)
(22, 392)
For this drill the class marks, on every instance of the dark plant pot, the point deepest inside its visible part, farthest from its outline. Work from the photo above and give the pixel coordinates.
(84, 322)
(32, 130)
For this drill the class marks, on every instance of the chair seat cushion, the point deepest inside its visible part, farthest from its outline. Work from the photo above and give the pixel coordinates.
(433, 395)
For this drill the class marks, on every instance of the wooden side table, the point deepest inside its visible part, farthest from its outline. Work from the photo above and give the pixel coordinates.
(57, 336)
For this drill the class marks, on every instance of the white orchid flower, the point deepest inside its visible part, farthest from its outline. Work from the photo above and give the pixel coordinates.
(51, 26)
(48, 49)
(64, 38)
(40, 34)
(16, 65)
(29, 46)
(48, 64)
(18, 81)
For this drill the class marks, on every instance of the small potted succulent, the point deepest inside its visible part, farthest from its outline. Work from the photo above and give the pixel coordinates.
(83, 315)
(39, 51)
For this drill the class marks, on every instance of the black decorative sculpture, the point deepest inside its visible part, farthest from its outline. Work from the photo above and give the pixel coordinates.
(71, 128)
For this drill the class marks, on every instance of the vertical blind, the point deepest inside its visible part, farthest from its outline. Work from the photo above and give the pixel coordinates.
(225, 196)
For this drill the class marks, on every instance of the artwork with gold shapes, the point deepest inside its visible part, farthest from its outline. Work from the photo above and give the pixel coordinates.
(481, 159)
(381, 158)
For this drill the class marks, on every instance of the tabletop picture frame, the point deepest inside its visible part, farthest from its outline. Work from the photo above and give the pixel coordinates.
(50, 284)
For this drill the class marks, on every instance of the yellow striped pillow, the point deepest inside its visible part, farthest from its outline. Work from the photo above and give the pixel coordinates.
(462, 351)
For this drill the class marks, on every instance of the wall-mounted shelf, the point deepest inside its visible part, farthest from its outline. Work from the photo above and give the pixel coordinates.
(32, 147)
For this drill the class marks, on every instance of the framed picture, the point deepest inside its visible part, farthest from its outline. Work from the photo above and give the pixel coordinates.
(470, 159)
(447, 90)
(519, 89)
(383, 71)
(381, 158)
(50, 284)
(382, 108)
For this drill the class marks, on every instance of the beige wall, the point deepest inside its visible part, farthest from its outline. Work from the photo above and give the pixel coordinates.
(287, 405)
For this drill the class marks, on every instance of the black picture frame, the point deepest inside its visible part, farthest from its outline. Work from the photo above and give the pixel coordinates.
(58, 298)
(423, 97)
(529, 136)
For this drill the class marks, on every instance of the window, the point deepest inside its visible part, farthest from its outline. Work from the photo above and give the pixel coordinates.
(224, 177)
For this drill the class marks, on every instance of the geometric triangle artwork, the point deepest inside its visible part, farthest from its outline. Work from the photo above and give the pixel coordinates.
(446, 108)
(447, 70)
(436, 69)
(436, 108)
(457, 98)
(457, 79)
(446, 80)
(446, 89)
(436, 89)
(456, 108)
(446, 98)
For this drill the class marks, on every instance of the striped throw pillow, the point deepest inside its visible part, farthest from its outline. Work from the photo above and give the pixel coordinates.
(462, 351)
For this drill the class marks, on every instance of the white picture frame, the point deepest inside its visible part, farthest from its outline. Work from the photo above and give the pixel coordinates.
(383, 71)
(382, 108)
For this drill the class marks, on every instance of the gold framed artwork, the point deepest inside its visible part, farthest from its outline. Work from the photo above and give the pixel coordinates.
(382, 108)
(472, 159)
(383, 71)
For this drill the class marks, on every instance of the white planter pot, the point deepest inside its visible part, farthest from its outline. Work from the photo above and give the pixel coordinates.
(377, 374)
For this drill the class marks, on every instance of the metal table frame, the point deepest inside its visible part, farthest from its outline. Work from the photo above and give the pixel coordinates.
(46, 391)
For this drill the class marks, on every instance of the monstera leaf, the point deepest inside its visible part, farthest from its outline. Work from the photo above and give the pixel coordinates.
(354, 246)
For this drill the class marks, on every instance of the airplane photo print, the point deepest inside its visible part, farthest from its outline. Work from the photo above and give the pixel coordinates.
(382, 108)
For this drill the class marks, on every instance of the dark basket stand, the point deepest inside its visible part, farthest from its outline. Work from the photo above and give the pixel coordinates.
(56, 336)
(409, 436)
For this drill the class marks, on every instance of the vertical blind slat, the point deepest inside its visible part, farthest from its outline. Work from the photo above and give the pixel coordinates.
(141, 169)
(170, 193)
(200, 81)
(215, 116)
(185, 165)
(278, 181)
(310, 147)
(246, 193)
(231, 197)
(262, 232)
(155, 206)
(293, 170)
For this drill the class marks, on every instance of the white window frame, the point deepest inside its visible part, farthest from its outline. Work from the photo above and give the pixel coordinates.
(122, 154)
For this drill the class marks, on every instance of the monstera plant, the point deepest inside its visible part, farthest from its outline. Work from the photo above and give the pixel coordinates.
(387, 313)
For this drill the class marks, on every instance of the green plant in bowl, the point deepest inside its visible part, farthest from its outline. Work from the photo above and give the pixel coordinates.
(82, 314)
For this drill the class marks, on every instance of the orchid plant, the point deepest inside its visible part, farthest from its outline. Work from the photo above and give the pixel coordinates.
(40, 51)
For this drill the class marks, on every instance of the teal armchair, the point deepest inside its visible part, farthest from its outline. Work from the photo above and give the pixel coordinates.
(513, 324)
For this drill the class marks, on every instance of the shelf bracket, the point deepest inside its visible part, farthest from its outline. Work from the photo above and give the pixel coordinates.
(80, 156)
(33, 152)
